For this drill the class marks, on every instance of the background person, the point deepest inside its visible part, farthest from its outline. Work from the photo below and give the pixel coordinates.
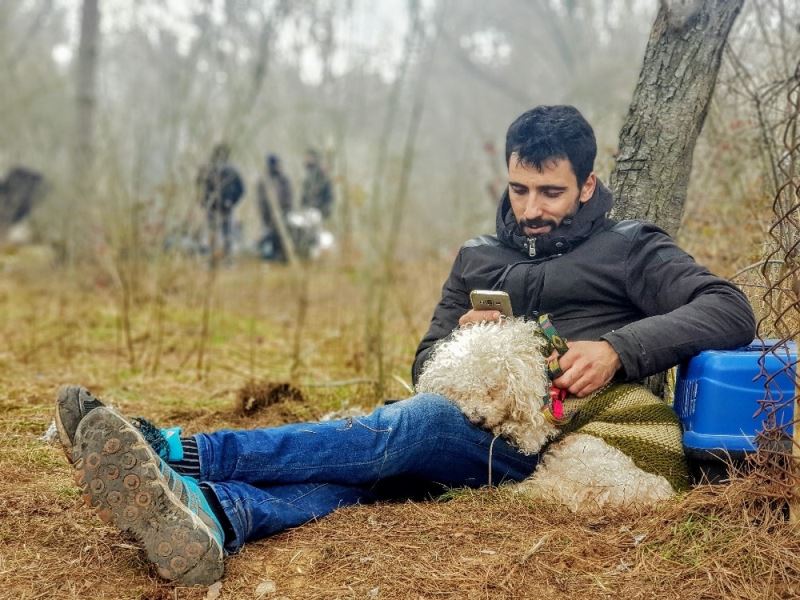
(221, 188)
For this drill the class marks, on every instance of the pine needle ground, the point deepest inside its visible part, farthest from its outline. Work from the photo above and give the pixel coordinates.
(714, 542)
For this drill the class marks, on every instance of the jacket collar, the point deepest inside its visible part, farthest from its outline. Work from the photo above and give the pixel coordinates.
(570, 233)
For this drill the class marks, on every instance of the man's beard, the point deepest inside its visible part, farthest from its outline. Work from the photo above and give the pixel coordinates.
(536, 223)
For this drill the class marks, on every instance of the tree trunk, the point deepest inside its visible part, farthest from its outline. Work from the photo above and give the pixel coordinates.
(668, 109)
(85, 92)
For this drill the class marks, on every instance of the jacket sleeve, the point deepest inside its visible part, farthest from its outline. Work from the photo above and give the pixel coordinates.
(239, 190)
(453, 304)
(687, 309)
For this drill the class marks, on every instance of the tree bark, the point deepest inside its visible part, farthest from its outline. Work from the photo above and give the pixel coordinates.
(85, 92)
(271, 22)
(669, 107)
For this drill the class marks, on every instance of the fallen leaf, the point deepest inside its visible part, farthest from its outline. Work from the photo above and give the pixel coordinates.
(214, 591)
(126, 546)
(622, 567)
(265, 587)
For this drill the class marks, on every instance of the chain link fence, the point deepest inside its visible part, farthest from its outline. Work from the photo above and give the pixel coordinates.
(773, 285)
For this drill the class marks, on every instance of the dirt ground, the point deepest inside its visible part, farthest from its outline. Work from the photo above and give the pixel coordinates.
(135, 339)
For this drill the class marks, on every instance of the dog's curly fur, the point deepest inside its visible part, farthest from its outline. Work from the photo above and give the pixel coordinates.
(584, 473)
(497, 374)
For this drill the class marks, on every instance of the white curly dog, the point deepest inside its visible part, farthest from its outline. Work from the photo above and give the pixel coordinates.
(497, 374)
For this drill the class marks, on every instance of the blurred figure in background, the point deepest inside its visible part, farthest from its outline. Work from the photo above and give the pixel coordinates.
(274, 202)
(317, 189)
(221, 188)
(20, 192)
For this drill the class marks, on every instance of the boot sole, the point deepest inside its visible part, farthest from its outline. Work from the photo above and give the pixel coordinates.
(63, 436)
(121, 480)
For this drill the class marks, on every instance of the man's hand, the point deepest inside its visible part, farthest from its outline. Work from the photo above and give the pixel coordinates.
(477, 316)
(587, 367)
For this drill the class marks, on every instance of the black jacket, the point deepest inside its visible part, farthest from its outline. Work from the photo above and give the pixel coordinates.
(317, 190)
(276, 183)
(624, 282)
(222, 187)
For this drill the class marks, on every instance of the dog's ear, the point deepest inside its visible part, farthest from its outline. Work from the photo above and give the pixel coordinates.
(520, 395)
(524, 402)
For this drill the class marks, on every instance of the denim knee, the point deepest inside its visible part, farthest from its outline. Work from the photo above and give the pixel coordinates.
(436, 405)
(430, 413)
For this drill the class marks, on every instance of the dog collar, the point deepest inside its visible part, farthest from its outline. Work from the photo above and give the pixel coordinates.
(553, 410)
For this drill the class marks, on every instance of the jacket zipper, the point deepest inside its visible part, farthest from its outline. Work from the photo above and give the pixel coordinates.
(530, 244)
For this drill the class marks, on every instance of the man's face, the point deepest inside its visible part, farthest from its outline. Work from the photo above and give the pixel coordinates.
(542, 199)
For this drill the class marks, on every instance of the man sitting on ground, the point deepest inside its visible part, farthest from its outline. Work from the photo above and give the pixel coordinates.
(631, 301)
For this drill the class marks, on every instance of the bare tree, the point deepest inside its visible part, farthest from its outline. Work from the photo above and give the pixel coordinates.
(86, 99)
(34, 28)
(669, 107)
(373, 332)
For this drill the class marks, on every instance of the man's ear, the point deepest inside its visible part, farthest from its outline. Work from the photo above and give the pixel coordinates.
(587, 190)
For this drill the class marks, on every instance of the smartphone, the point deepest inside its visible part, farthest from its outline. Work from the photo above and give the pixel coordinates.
(491, 300)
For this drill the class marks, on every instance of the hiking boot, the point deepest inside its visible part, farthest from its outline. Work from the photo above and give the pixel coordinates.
(129, 485)
(74, 402)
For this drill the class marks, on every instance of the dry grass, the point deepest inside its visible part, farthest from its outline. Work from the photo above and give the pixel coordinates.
(713, 543)
(58, 327)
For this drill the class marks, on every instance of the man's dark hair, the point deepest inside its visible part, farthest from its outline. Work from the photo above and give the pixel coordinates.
(546, 133)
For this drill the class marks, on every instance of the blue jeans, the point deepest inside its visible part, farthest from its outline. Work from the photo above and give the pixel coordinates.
(267, 480)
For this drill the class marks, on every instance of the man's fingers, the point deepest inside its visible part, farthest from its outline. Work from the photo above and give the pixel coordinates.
(564, 381)
(583, 387)
(575, 382)
(589, 382)
(573, 368)
(579, 382)
(567, 360)
(478, 316)
(586, 367)
(573, 386)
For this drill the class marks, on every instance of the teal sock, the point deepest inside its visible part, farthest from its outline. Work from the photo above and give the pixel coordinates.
(172, 436)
